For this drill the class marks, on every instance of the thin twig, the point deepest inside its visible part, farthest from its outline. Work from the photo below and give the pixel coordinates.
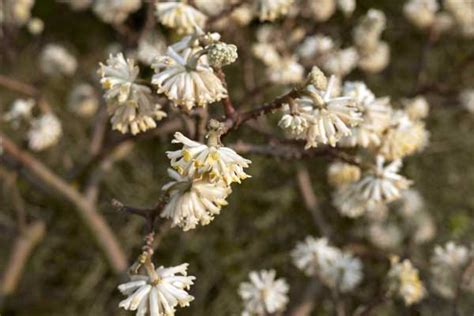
(229, 109)
(237, 119)
(151, 215)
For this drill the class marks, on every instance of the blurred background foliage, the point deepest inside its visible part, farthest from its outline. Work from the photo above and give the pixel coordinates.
(67, 275)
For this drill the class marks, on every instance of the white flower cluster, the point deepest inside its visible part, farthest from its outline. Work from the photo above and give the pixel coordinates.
(380, 184)
(201, 182)
(185, 75)
(132, 106)
(264, 294)
(335, 268)
(386, 134)
(318, 116)
(159, 292)
(369, 53)
(405, 282)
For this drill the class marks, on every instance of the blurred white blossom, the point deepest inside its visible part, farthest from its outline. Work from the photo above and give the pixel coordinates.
(180, 16)
(375, 60)
(341, 174)
(376, 115)
(56, 60)
(150, 46)
(20, 110)
(421, 13)
(270, 10)
(404, 137)
(341, 62)
(347, 6)
(16, 12)
(264, 294)
(322, 10)
(417, 108)
(405, 282)
(467, 99)
(115, 11)
(45, 132)
(83, 100)
(463, 14)
(335, 268)
(382, 183)
(316, 45)
(447, 265)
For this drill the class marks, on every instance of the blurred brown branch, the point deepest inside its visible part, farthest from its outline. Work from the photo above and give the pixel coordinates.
(87, 211)
(21, 251)
(308, 300)
(18, 86)
(311, 201)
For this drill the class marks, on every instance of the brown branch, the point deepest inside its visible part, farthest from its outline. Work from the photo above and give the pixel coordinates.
(269, 107)
(99, 228)
(290, 150)
(151, 215)
(99, 132)
(21, 251)
(237, 119)
(229, 109)
(311, 201)
(18, 86)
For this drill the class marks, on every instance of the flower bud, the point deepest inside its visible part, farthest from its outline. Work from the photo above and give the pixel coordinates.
(317, 78)
(221, 54)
